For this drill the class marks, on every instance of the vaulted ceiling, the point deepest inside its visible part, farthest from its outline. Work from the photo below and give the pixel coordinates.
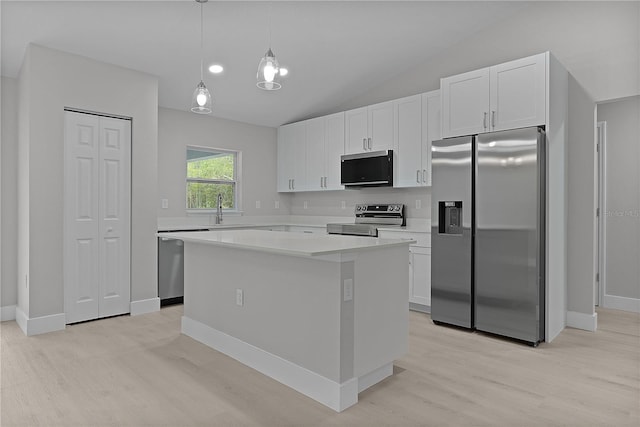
(334, 50)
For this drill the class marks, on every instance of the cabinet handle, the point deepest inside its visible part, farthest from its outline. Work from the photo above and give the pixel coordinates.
(493, 119)
(418, 176)
(293, 184)
(369, 143)
(325, 182)
(484, 120)
(424, 175)
(364, 143)
(289, 183)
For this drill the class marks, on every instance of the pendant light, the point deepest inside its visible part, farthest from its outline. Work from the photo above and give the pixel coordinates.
(269, 72)
(201, 100)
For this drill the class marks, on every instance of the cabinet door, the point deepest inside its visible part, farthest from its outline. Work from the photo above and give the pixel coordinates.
(285, 159)
(299, 144)
(518, 91)
(430, 130)
(408, 167)
(381, 128)
(334, 148)
(420, 276)
(356, 130)
(465, 103)
(315, 153)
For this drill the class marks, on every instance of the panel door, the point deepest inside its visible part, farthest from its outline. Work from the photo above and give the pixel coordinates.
(97, 211)
(315, 153)
(81, 232)
(285, 159)
(518, 93)
(465, 103)
(356, 131)
(408, 168)
(381, 127)
(334, 148)
(299, 146)
(430, 130)
(420, 283)
(114, 209)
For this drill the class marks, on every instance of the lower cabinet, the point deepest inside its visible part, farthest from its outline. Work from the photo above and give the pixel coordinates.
(419, 267)
(420, 278)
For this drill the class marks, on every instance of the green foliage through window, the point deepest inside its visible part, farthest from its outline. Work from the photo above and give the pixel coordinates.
(209, 173)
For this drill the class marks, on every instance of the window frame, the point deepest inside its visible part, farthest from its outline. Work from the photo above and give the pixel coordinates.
(237, 181)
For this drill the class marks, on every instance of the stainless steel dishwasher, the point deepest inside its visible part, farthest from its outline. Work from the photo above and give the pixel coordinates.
(171, 269)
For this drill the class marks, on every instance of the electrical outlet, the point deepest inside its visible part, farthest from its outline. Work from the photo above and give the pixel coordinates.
(418, 203)
(165, 203)
(306, 204)
(343, 204)
(348, 290)
(277, 204)
(239, 297)
(257, 204)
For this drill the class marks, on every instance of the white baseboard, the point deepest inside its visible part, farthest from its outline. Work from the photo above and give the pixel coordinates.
(8, 312)
(40, 325)
(330, 393)
(587, 322)
(145, 306)
(622, 303)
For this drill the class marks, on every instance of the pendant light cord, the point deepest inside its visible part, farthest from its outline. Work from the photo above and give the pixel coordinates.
(201, 42)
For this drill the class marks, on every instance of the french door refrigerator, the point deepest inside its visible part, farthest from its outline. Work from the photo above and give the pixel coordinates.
(488, 233)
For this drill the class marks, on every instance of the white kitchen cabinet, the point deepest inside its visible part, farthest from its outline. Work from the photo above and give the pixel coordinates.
(506, 96)
(417, 124)
(292, 157)
(420, 277)
(370, 128)
(430, 130)
(419, 267)
(325, 145)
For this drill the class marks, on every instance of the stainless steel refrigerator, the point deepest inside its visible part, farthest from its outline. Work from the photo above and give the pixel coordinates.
(488, 233)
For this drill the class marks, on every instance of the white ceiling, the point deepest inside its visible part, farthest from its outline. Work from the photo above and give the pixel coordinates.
(335, 51)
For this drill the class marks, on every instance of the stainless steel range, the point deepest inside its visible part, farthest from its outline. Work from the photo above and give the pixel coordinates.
(369, 218)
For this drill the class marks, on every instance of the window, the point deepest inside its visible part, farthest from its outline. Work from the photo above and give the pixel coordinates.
(211, 172)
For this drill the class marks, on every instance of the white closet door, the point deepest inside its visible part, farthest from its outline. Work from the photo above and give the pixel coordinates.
(114, 208)
(96, 216)
(81, 242)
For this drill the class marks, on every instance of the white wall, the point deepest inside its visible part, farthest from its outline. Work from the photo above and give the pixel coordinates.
(622, 210)
(598, 42)
(329, 203)
(50, 81)
(9, 195)
(177, 129)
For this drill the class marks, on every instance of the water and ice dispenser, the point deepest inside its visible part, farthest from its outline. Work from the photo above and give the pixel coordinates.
(450, 217)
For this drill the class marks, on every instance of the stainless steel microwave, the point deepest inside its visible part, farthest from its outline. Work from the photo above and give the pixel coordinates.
(372, 169)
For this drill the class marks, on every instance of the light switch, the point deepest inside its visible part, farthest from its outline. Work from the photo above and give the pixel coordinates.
(239, 297)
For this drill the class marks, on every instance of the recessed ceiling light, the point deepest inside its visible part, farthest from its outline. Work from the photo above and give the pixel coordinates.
(216, 69)
(283, 71)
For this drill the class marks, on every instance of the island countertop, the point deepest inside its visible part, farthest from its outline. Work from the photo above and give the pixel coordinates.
(286, 243)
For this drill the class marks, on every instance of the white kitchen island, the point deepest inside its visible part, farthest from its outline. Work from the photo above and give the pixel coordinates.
(326, 315)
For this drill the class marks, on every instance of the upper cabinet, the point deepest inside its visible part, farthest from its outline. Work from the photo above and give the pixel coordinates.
(291, 157)
(417, 123)
(505, 96)
(370, 128)
(325, 145)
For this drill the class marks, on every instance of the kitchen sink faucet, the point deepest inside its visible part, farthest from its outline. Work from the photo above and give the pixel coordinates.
(219, 209)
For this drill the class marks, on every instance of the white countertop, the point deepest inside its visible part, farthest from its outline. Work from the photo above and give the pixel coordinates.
(280, 242)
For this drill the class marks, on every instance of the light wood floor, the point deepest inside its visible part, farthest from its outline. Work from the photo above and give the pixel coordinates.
(140, 371)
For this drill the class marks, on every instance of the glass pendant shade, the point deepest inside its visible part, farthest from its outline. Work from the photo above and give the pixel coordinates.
(269, 72)
(201, 101)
